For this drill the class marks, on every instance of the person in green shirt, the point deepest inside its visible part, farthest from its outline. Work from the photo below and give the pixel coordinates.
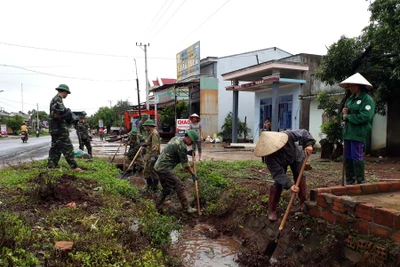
(357, 115)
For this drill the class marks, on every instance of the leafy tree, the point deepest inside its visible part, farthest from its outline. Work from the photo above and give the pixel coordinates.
(167, 115)
(375, 54)
(14, 122)
(106, 114)
(119, 110)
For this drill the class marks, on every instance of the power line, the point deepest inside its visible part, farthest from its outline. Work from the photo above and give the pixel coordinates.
(82, 53)
(157, 15)
(159, 19)
(63, 76)
(176, 10)
(206, 20)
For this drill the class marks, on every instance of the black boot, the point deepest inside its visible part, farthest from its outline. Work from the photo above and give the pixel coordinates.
(350, 174)
(90, 152)
(359, 171)
(154, 185)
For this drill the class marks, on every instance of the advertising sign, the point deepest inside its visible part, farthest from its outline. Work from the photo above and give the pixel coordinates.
(101, 123)
(182, 125)
(3, 129)
(188, 62)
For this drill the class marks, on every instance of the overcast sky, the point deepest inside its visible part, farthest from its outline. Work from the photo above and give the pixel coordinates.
(112, 28)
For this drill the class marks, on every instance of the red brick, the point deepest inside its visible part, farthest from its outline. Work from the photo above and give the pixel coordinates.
(321, 201)
(397, 220)
(315, 192)
(395, 186)
(338, 204)
(314, 210)
(396, 237)
(380, 231)
(63, 246)
(384, 216)
(328, 216)
(354, 190)
(384, 187)
(365, 211)
(324, 190)
(369, 189)
(362, 226)
(341, 219)
(339, 190)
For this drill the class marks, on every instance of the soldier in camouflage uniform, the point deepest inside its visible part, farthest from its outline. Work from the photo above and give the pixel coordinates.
(152, 145)
(58, 127)
(175, 152)
(143, 134)
(134, 146)
(83, 134)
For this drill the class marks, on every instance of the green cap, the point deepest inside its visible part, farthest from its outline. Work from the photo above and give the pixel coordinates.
(133, 131)
(149, 123)
(63, 87)
(145, 116)
(193, 135)
(84, 113)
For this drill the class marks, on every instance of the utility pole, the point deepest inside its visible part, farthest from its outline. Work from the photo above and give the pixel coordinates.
(110, 102)
(22, 97)
(138, 92)
(145, 70)
(37, 116)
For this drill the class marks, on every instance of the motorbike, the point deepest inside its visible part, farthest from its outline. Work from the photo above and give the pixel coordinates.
(24, 137)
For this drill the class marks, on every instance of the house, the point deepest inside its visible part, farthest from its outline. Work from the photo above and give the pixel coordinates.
(208, 97)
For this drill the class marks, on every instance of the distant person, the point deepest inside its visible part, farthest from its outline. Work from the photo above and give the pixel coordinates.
(152, 144)
(101, 133)
(37, 132)
(196, 125)
(83, 134)
(59, 130)
(357, 115)
(267, 125)
(134, 146)
(141, 129)
(175, 152)
(24, 130)
(282, 151)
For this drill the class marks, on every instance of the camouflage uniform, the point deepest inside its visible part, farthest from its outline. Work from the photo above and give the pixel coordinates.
(175, 152)
(134, 146)
(83, 135)
(60, 141)
(143, 134)
(153, 142)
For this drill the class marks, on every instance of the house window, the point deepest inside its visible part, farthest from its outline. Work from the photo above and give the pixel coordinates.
(284, 113)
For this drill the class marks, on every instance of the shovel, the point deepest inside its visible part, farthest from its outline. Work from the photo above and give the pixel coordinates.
(130, 165)
(123, 166)
(270, 249)
(196, 185)
(116, 152)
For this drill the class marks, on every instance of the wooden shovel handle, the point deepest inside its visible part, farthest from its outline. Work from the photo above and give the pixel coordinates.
(196, 185)
(133, 160)
(293, 195)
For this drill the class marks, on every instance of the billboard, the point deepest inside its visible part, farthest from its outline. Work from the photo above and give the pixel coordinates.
(182, 125)
(188, 62)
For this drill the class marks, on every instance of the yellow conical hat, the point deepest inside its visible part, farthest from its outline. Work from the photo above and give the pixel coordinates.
(269, 143)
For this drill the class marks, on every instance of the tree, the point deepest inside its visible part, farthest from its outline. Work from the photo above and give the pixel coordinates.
(375, 54)
(226, 128)
(119, 110)
(106, 114)
(14, 123)
(167, 114)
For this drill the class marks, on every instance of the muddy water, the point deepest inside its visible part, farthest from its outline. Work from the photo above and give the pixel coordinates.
(386, 200)
(196, 249)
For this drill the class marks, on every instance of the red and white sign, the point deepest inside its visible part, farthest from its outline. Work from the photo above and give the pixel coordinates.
(182, 124)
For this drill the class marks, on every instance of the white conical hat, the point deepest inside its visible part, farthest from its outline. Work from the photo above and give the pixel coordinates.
(269, 143)
(194, 115)
(356, 79)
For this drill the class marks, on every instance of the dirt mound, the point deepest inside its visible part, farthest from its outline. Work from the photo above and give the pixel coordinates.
(66, 188)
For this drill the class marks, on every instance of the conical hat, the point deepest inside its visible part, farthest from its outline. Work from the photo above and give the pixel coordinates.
(356, 79)
(269, 143)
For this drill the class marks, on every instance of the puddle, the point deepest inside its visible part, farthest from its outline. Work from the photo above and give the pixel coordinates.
(386, 200)
(196, 249)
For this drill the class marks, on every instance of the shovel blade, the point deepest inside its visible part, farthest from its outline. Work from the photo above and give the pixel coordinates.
(272, 245)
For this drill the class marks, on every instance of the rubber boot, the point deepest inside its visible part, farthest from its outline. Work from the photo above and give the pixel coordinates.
(350, 174)
(160, 200)
(90, 152)
(154, 185)
(359, 171)
(149, 182)
(184, 200)
(273, 200)
(303, 193)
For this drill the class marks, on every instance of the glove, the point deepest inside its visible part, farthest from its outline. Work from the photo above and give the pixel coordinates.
(153, 159)
(143, 144)
(190, 152)
(195, 177)
(67, 114)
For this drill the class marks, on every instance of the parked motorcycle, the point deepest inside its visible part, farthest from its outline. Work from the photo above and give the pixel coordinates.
(24, 137)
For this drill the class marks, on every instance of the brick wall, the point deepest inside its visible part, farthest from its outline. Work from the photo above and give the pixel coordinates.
(335, 205)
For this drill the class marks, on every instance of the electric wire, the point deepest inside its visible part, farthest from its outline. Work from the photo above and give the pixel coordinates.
(159, 19)
(173, 14)
(198, 27)
(151, 23)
